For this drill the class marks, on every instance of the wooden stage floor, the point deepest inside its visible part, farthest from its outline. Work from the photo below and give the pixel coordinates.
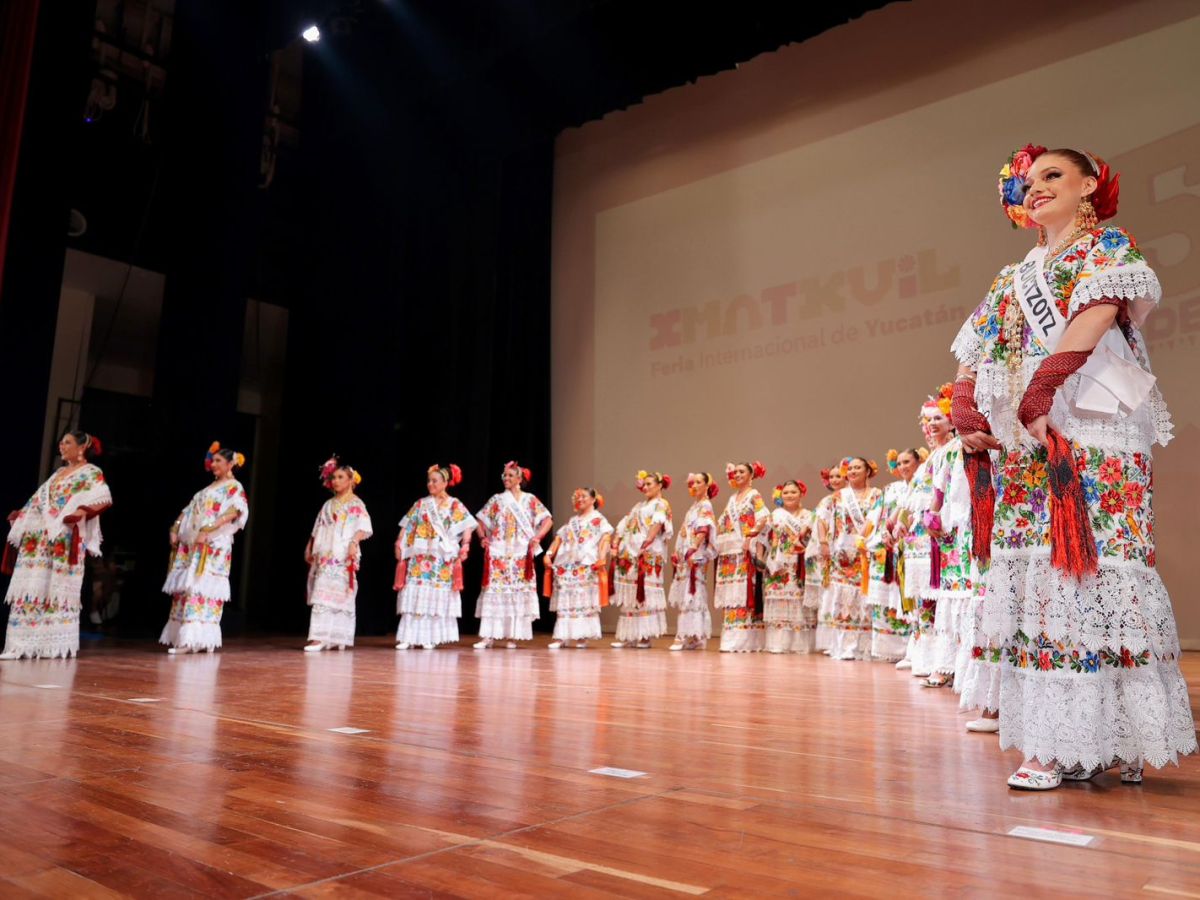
(128, 772)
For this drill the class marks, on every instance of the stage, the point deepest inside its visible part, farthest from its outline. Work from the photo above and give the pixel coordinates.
(131, 772)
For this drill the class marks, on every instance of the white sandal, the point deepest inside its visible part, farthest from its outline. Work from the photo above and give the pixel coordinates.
(554, 645)
(403, 645)
(314, 648)
(984, 725)
(485, 644)
(1027, 779)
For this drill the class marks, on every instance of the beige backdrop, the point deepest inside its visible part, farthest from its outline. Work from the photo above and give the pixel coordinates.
(772, 263)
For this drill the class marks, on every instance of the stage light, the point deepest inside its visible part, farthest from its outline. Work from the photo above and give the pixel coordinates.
(312, 34)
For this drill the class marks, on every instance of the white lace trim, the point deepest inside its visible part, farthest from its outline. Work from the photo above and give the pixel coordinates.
(694, 623)
(420, 630)
(1127, 282)
(967, 346)
(34, 586)
(1097, 718)
(506, 604)
(331, 625)
(197, 635)
(642, 624)
(421, 599)
(44, 639)
(214, 587)
(578, 625)
(1118, 606)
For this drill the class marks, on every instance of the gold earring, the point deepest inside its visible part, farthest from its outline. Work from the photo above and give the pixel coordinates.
(1085, 215)
(1041, 236)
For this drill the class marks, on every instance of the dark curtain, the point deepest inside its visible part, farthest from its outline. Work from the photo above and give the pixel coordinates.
(18, 24)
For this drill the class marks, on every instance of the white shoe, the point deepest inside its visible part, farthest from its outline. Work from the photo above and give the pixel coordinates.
(313, 648)
(429, 646)
(618, 645)
(404, 645)
(642, 645)
(1027, 779)
(985, 726)
(511, 645)
(581, 645)
(485, 644)
(904, 664)
(554, 645)
(9, 656)
(676, 646)
(179, 651)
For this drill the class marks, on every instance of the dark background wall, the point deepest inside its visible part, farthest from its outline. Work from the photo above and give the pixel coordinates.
(408, 237)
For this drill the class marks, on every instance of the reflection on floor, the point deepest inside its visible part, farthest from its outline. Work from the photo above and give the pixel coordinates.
(131, 772)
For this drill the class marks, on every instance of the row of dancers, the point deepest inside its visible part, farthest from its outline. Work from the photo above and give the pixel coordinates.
(1017, 561)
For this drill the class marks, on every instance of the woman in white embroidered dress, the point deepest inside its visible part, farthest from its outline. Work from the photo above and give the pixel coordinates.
(1066, 403)
(693, 550)
(854, 515)
(917, 544)
(511, 527)
(202, 553)
(46, 536)
(898, 613)
(790, 625)
(577, 563)
(953, 578)
(889, 629)
(816, 591)
(737, 592)
(640, 549)
(333, 554)
(433, 543)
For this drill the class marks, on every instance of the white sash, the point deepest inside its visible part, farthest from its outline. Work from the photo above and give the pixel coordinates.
(847, 541)
(779, 560)
(449, 544)
(519, 513)
(1111, 378)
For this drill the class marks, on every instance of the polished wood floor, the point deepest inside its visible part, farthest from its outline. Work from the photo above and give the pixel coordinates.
(128, 772)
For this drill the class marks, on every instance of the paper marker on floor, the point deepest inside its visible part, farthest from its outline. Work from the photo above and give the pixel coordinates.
(1074, 838)
(346, 729)
(145, 699)
(48, 687)
(617, 773)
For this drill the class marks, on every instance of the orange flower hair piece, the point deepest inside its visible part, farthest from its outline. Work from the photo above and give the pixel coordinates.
(893, 459)
(212, 451)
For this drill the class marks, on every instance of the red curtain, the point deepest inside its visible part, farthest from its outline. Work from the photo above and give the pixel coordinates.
(18, 22)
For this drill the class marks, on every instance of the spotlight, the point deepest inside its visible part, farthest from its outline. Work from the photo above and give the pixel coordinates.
(312, 34)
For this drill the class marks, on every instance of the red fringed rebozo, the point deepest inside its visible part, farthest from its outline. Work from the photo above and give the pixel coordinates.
(751, 572)
(968, 420)
(487, 566)
(10, 559)
(1072, 542)
(529, 566)
(641, 580)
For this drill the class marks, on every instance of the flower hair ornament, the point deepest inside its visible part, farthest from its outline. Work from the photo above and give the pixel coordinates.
(825, 473)
(757, 470)
(664, 480)
(589, 492)
(451, 473)
(526, 474)
(1012, 185)
(777, 494)
(893, 459)
(923, 453)
(238, 460)
(331, 465)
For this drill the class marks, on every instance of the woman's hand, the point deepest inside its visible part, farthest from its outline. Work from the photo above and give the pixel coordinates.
(979, 442)
(824, 549)
(202, 538)
(354, 551)
(1038, 428)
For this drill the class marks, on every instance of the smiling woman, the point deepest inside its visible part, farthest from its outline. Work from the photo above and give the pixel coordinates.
(1054, 383)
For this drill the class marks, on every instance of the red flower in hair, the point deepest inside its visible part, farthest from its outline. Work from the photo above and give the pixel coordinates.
(96, 446)
(759, 470)
(713, 490)
(666, 481)
(455, 475)
(1108, 191)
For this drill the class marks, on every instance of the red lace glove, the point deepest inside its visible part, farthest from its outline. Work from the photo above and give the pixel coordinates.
(964, 414)
(1051, 374)
(968, 419)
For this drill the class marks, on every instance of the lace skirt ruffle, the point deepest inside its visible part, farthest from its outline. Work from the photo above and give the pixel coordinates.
(331, 625)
